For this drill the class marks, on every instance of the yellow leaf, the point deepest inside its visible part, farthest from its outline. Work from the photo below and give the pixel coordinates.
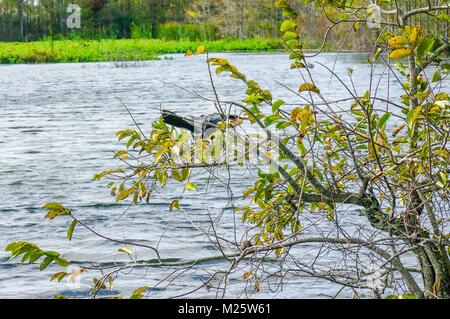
(398, 130)
(192, 13)
(442, 104)
(379, 139)
(111, 282)
(299, 113)
(75, 274)
(247, 275)
(309, 87)
(442, 96)
(201, 50)
(59, 276)
(248, 192)
(400, 53)
(126, 250)
(445, 154)
(416, 36)
(372, 150)
(257, 285)
(124, 194)
(397, 42)
(297, 65)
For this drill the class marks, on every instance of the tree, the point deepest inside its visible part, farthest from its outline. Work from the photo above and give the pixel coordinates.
(387, 157)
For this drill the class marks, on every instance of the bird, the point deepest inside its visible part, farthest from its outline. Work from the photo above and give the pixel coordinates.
(246, 244)
(196, 125)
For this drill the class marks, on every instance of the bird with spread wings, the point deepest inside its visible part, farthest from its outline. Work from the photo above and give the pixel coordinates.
(197, 125)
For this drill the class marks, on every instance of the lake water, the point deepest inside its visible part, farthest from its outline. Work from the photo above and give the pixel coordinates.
(57, 128)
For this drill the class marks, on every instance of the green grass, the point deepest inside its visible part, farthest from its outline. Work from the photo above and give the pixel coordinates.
(118, 50)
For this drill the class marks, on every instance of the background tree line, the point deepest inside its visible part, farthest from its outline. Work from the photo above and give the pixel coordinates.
(30, 20)
(26, 20)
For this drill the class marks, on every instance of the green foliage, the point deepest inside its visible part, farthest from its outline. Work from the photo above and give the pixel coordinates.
(141, 31)
(32, 253)
(117, 50)
(55, 210)
(193, 32)
(139, 293)
(191, 186)
(71, 229)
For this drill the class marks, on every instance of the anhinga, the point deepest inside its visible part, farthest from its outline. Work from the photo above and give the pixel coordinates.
(195, 124)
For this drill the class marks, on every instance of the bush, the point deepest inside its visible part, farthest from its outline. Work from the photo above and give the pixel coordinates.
(98, 33)
(191, 32)
(141, 31)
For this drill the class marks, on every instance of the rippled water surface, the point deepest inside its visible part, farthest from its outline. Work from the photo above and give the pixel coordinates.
(57, 128)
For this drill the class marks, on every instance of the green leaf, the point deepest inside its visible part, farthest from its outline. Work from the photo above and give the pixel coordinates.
(71, 229)
(11, 247)
(412, 117)
(98, 285)
(62, 262)
(297, 65)
(54, 206)
(276, 105)
(290, 36)
(436, 77)
(35, 256)
(442, 180)
(159, 154)
(191, 186)
(383, 120)
(185, 173)
(120, 153)
(288, 25)
(269, 120)
(138, 293)
(162, 176)
(425, 46)
(124, 194)
(52, 254)
(55, 210)
(59, 276)
(443, 17)
(177, 175)
(110, 282)
(47, 261)
(175, 205)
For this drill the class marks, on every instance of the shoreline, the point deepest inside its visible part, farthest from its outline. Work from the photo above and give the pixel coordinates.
(126, 50)
(106, 50)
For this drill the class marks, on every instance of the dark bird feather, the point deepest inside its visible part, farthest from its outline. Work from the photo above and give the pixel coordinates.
(171, 118)
(194, 124)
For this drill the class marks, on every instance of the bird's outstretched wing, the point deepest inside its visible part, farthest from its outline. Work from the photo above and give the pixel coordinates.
(171, 118)
(195, 124)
